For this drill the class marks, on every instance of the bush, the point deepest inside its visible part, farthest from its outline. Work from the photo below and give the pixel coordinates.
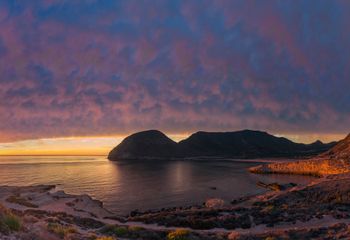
(12, 222)
(60, 230)
(180, 234)
(114, 230)
(121, 231)
(4, 229)
(8, 221)
(135, 228)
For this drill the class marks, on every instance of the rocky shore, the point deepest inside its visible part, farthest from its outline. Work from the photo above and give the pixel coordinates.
(334, 161)
(319, 210)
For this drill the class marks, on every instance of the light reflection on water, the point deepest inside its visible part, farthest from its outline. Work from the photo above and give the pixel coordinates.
(125, 186)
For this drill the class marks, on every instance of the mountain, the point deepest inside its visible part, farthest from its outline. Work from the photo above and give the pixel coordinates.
(240, 144)
(151, 143)
(334, 161)
(245, 144)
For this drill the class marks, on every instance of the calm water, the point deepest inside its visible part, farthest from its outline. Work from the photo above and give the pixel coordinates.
(125, 186)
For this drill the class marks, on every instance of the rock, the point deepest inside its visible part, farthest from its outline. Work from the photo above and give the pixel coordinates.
(271, 186)
(214, 203)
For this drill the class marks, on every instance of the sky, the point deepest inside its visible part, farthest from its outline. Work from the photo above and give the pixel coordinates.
(87, 73)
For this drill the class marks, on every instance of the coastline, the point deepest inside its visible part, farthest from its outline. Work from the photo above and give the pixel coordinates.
(280, 213)
(318, 167)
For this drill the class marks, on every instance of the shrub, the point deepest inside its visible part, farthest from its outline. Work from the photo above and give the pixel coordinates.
(121, 231)
(269, 208)
(180, 234)
(135, 228)
(114, 230)
(12, 222)
(60, 230)
(4, 229)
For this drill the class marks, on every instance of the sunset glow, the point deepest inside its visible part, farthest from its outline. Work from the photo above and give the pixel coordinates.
(66, 146)
(102, 145)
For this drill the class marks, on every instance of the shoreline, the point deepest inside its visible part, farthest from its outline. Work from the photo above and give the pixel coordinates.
(272, 212)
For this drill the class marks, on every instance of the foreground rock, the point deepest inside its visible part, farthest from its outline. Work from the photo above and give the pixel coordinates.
(241, 144)
(334, 161)
(318, 211)
(43, 213)
(276, 186)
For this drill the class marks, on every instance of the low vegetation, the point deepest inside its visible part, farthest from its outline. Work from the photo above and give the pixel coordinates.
(180, 234)
(60, 230)
(9, 222)
(115, 230)
(105, 238)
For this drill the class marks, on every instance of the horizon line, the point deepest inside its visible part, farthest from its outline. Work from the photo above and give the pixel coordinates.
(48, 155)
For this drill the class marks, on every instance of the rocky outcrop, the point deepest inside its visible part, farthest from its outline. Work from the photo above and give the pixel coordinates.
(319, 210)
(340, 150)
(240, 144)
(334, 161)
(294, 212)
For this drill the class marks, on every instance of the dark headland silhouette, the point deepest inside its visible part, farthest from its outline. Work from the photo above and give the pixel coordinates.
(153, 144)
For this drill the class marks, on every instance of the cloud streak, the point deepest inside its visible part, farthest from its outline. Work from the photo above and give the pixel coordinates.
(74, 68)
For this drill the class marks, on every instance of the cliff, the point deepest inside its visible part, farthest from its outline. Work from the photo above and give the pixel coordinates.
(334, 161)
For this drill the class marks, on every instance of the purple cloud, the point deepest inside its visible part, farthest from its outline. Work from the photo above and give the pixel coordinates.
(92, 68)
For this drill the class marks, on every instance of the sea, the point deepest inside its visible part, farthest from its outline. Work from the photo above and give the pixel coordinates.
(124, 186)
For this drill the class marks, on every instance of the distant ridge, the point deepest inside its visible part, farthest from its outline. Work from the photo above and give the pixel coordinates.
(239, 144)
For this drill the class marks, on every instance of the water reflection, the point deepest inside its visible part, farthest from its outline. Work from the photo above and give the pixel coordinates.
(124, 186)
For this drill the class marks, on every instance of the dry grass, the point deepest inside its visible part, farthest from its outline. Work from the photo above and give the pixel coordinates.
(105, 238)
(61, 230)
(9, 222)
(180, 234)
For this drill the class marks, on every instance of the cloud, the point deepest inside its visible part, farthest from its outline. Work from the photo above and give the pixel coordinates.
(97, 68)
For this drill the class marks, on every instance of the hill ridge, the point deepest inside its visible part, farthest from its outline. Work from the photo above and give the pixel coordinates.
(235, 144)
